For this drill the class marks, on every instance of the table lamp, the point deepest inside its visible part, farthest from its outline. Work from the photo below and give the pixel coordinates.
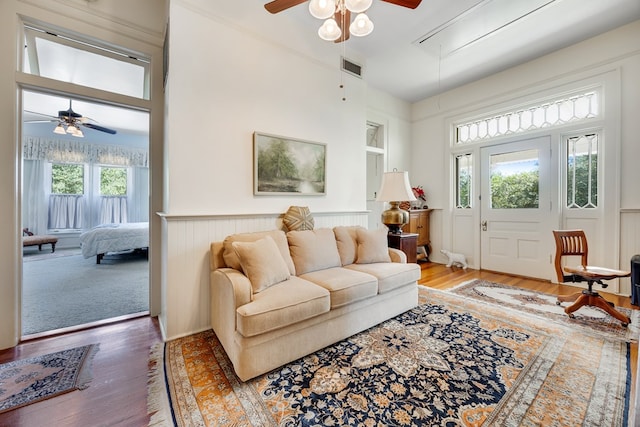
(395, 188)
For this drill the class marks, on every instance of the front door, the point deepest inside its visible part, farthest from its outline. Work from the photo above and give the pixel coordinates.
(517, 215)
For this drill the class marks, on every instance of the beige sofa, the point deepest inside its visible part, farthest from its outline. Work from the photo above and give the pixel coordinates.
(276, 297)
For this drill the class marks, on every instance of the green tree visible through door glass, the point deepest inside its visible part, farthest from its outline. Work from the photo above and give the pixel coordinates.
(515, 180)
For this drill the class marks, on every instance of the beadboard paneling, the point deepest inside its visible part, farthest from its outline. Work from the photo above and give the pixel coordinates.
(186, 307)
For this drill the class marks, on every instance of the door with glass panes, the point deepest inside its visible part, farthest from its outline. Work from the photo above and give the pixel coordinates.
(517, 213)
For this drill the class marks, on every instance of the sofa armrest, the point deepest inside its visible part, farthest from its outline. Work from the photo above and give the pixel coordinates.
(397, 256)
(229, 283)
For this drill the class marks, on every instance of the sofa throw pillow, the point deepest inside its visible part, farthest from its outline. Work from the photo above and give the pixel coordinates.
(313, 250)
(298, 218)
(347, 241)
(231, 258)
(262, 263)
(372, 246)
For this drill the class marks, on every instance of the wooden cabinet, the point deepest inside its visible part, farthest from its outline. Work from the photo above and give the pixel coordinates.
(406, 242)
(419, 224)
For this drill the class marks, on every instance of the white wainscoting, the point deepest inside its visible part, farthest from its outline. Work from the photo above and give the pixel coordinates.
(185, 261)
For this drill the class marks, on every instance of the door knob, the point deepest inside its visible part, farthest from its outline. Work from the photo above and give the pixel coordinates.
(483, 224)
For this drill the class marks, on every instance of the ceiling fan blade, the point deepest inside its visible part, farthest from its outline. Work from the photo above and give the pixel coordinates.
(343, 20)
(276, 6)
(100, 128)
(41, 114)
(42, 121)
(411, 4)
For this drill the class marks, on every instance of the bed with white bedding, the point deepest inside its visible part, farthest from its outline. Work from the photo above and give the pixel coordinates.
(114, 238)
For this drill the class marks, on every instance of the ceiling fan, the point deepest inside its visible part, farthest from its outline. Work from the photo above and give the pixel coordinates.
(341, 13)
(69, 122)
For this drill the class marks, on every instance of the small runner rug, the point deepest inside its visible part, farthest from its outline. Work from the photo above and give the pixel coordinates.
(590, 319)
(26, 381)
(452, 361)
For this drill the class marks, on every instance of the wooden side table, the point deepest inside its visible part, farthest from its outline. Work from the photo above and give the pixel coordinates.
(406, 242)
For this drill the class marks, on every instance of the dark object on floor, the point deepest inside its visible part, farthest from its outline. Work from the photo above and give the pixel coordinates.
(574, 243)
(635, 280)
(29, 239)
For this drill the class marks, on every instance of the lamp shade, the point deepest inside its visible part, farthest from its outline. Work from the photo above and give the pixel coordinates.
(322, 9)
(361, 26)
(358, 6)
(395, 187)
(330, 30)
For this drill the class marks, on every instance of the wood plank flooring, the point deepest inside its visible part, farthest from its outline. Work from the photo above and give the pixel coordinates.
(117, 395)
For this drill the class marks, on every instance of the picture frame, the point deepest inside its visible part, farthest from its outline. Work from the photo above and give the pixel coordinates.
(288, 166)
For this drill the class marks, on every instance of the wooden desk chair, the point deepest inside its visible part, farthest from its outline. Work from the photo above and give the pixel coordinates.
(574, 243)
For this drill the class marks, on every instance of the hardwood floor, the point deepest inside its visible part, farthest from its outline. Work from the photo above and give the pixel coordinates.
(117, 395)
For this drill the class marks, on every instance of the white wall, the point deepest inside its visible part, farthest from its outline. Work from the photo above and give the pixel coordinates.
(224, 84)
(617, 51)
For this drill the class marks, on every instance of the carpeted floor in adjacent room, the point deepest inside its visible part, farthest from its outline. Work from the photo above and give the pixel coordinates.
(61, 291)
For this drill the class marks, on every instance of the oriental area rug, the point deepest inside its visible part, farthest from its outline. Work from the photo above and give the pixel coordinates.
(26, 381)
(451, 361)
(589, 319)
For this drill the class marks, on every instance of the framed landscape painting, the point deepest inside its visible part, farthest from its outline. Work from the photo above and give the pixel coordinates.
(287, 166)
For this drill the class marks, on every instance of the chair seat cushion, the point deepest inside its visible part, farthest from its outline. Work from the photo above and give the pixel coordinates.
(38, 240)
(280, 305)
(391, 275)
(345, 286)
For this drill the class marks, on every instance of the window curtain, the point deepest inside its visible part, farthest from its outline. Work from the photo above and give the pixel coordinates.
(139, 195)
(66, 211)
(34, 197)
(113, 209)
(58, 150)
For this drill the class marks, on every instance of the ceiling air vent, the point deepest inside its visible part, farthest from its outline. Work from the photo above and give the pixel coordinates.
(351, 67)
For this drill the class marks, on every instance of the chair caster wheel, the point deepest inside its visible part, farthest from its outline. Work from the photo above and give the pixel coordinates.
(572, 316)
(624, 325)
(558, 303)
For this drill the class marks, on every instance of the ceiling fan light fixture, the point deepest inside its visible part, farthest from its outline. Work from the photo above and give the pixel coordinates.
(322, 9)
(78, 133)
(59, 130)
(71, 129)
(361, 26)
(330, 30)
(357, 6)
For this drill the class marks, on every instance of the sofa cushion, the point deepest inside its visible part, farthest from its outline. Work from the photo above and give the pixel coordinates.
(280, 305)
(345, 286)
(231, 258)
(391, 275)
(347, 242)
(313, 250)
(372, 246)
(262, 263)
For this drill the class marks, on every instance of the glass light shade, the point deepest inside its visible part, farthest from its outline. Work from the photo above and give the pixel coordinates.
(358, 6)
(78, 133)
(361, 26)
(72, 129)
(322, 9)
(330, 30)
(59, 130)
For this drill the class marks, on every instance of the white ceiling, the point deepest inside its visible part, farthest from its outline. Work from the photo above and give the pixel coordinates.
(496, 34)
(465, 40)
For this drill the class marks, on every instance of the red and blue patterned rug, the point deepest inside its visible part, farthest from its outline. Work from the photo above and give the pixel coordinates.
(452, 361)
(26, 381)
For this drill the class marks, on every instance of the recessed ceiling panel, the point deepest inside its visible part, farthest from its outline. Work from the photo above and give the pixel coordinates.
(482, 20)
